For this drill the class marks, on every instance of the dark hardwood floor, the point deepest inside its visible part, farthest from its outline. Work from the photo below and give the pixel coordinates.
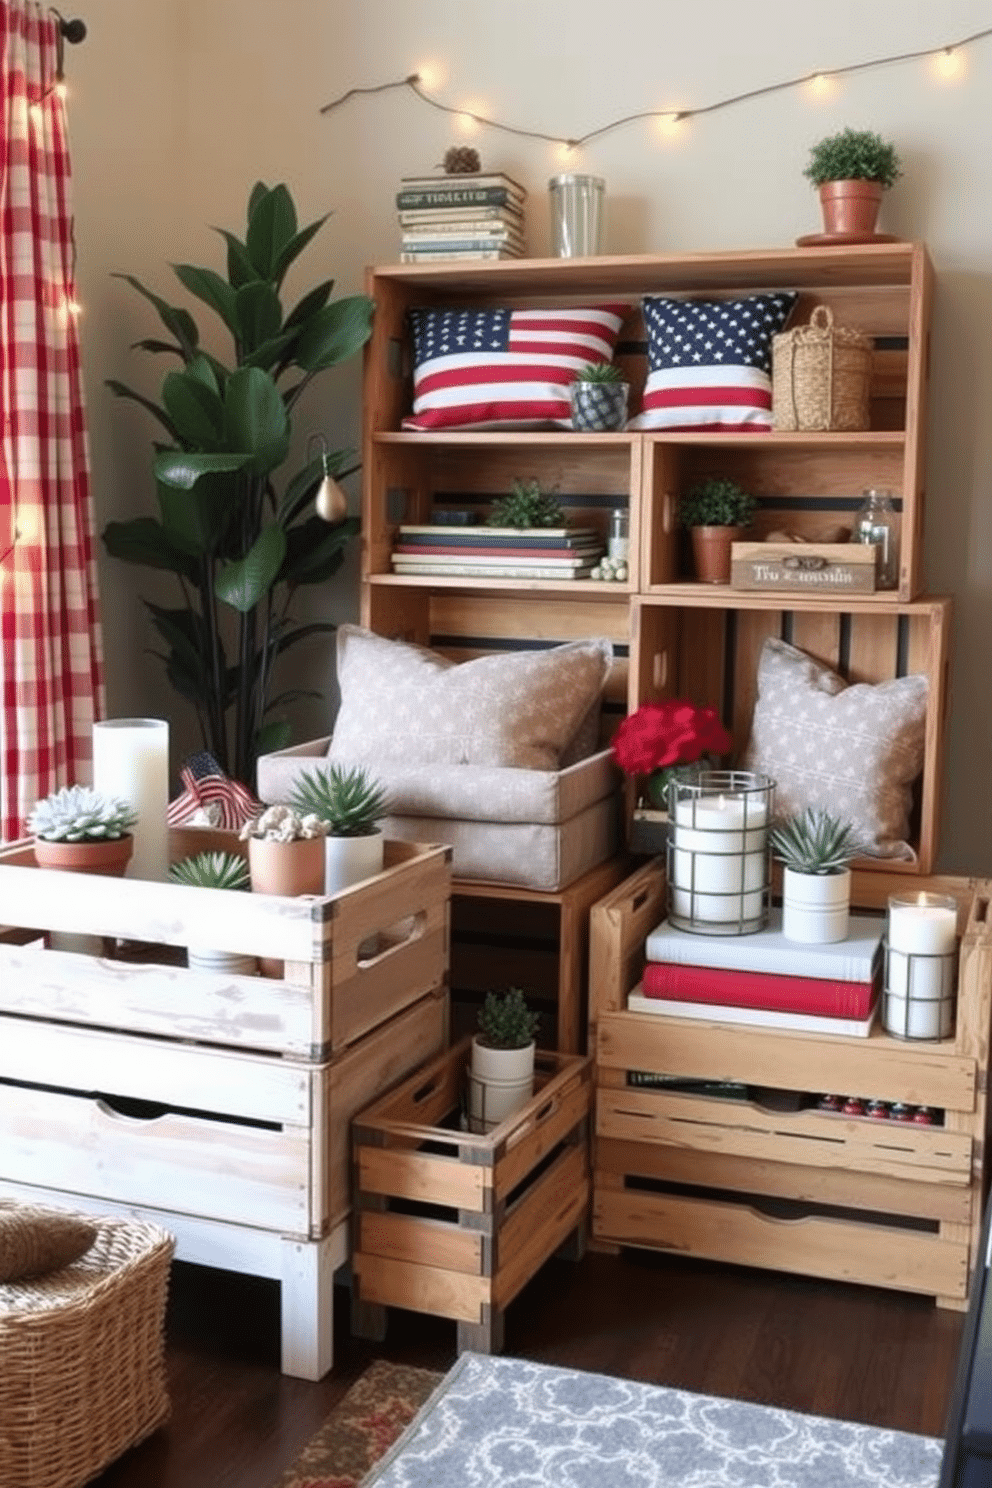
(882, 1358)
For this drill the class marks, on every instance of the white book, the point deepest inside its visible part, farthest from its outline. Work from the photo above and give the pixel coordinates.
(855, 959)
(427, 255)
(710, 1012)
(436, 216)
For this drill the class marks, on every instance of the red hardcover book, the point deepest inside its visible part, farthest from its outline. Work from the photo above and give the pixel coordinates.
(770, 991)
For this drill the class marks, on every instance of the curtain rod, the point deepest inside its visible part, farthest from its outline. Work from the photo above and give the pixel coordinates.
(73, 31)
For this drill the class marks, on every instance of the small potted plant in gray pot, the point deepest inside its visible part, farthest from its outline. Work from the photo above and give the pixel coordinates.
(83, 830)
(851, 170)
(598, 398)
(816, 849)
(717, 512)
(501, 1073)
(351, 804)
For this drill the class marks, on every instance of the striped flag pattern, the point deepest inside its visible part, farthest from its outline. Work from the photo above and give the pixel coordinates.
(709, 362)
(209, 798)
(504, 369)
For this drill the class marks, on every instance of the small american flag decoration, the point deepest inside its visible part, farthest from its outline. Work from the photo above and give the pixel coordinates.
(210, 798)
(504, 369)
(709, 362)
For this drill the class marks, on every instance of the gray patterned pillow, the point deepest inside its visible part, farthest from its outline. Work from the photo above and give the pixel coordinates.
(852, 750)
(405, 704)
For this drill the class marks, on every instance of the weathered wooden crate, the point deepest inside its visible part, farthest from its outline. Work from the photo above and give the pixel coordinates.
(849, 1198)
(218, 1105)
(687, 647)
(803, 567)
(453, 1223)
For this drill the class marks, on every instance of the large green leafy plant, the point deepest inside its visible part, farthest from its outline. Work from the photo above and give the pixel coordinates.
(238, 547)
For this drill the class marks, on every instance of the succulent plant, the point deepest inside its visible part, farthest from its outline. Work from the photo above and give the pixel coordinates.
(79, 814)
(505, 1020)
(815, 842)
(283, 824)
(716, 501)
(600, 372)
(853, 155)
(212, 870)
(527, 506)
(350, 801)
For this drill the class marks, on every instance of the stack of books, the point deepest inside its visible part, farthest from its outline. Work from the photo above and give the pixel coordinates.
(460, 216)
(764, 979)
(497, 552)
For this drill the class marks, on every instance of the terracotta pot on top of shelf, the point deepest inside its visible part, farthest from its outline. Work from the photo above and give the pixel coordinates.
(711, 552)
(850, 208)
(109, 857)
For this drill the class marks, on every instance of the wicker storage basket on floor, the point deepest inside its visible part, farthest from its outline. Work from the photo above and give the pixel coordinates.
(82, 1365)
(821, 375)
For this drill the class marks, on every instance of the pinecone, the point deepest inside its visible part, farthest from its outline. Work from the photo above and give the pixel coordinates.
(461, 160)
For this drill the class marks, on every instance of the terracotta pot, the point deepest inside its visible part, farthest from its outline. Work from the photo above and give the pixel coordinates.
(286, 867)
(109, 857)
(850, 207)
(711, 552)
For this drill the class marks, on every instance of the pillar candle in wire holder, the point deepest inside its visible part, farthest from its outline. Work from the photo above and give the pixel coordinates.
(719, 862)
(921, 966)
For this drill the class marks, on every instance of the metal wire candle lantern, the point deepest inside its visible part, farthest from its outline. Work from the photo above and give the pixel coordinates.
(719, 860)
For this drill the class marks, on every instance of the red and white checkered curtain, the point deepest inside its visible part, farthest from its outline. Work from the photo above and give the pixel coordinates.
(51, 671)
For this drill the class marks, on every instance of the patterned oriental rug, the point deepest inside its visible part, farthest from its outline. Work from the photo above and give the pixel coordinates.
(360, 1428)
(508, 1423)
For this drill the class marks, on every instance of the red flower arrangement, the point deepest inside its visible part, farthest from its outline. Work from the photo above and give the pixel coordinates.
(660, 737)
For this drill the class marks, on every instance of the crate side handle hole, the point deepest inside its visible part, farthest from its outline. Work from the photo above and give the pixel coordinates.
(384, 943)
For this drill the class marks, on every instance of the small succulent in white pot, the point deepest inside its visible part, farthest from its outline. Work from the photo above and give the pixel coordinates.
(83, 830)
(501, 1075)
(351, 803)
(815, 848)
(215, 870)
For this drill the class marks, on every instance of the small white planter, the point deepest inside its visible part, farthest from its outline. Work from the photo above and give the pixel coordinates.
(200, 959)
(500, 1081)
(816, 907)
(347, 860)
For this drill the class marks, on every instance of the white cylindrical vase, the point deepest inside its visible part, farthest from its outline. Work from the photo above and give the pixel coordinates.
(500, 1081)
(816, 907)
(347, 860)
(131, 761)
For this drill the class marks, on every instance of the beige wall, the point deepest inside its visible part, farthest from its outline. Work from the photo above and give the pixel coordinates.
(178, 106)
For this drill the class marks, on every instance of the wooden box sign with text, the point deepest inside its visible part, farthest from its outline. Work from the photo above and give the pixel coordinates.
(804, 568)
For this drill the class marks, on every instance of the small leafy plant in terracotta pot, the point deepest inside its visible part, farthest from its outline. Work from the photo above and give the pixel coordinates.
(851, 170)
(815, 848)
(83, 830)
(351, 803)
(501, 1074)
(717, 512)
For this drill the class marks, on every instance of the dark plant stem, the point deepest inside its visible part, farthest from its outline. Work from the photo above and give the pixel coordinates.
(216, 732)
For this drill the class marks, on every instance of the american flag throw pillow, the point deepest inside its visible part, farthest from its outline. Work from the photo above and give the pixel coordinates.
(709, 362)
(504, 369)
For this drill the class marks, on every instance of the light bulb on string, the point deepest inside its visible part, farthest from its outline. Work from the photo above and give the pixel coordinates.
(948, 63)
(822, 86)
(330, 501)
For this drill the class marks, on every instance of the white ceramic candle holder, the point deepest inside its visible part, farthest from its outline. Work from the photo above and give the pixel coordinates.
(921, 966)
(719, 863)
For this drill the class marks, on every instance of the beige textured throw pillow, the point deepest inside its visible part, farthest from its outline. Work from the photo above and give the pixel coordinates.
(405, 704)
(851, 750)
(35, 1241)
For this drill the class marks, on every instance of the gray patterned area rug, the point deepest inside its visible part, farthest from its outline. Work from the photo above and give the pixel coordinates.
(509, 1423)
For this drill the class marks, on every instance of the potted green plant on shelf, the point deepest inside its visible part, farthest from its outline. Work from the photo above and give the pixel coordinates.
(501, 1073)
(215, 870)
(717, 512)
(527, 505)
(850, 170)
(351, 804)
(83, 831)
(240, 548)
(815, 848)
(598, 398)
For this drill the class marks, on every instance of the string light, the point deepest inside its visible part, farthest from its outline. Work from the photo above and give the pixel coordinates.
(945, 59)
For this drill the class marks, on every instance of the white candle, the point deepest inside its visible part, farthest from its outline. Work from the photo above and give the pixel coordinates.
(719, 864)
(131, 761)
(922, 936)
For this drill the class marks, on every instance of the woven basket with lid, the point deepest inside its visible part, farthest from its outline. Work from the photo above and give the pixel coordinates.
(821, 375)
